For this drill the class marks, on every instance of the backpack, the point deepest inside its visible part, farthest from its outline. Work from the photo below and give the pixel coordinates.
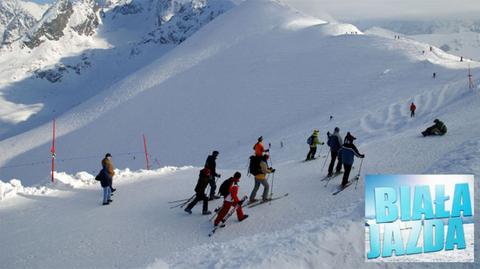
(254, 167)
(99, 176)
(225, 187)
(310, 140)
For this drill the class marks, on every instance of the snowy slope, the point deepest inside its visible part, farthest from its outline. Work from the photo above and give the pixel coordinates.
(279, 75)
(175, 98)
(460, 36)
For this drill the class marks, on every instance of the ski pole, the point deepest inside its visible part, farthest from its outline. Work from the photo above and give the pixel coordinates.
(182, 200)
(181, 205)
(216, 213)
(325, 162)
(358, 175)
(271, 188)
(320, 152)
(270, 154)
(328, 180)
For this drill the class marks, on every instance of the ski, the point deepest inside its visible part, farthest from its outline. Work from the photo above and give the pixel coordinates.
(316, 158)
(222, 224)
(216, 228)
(340, 189)
(269, 200)
(179, 201)
(330, 177)
(183, 203)
(229, 214)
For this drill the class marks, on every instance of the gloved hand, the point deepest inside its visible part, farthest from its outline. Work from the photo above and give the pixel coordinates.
(218, 175)
(362, 156)
(273, 170)
(322, 143)
(328, 133)
(267, 150)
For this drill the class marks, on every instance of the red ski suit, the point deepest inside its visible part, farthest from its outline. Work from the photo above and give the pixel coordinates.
(230, 200)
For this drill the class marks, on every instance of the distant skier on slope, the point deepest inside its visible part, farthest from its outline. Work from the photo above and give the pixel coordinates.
(211, 164)
(413, 107)
(439, 128)
(335, 143)
(202, 183)
(261, 178)
(259, 148)
(313, 141)
(348, 151)
(107, 178)
(231, 199)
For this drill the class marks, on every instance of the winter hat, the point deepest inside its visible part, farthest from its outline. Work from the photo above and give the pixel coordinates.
(315, 131)
(108, 155)
(215, 153)
(349, 138)
(237, 176)
(260, 139)
(337, 129)
(436, 120)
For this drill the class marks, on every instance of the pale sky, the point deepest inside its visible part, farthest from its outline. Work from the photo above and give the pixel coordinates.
(381, 9)
(394, 9)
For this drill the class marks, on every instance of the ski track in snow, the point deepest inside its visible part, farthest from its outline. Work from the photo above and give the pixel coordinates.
(396, 117)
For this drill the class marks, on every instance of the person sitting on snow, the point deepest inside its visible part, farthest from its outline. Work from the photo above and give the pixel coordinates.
(438, 128)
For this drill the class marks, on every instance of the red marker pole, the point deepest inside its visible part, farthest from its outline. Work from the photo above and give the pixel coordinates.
(52, 150)
(146, 152)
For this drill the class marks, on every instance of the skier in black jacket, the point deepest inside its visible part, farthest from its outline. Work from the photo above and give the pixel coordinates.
(211, 164)
(202, 184)
(335, 143)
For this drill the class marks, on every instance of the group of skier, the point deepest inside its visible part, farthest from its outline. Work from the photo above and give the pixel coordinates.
(229, 189)
(340, 152)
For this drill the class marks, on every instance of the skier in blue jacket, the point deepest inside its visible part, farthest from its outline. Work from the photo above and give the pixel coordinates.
(347, 153)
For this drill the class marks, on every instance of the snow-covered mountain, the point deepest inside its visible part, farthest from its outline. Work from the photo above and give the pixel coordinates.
(78, 47)
(16, 18)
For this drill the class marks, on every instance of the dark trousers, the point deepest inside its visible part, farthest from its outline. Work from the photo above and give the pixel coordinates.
(199, 197)
(346, 173)
(412, 113)
(213, 186)
(432, 131)
(334, 155)
(311, 153)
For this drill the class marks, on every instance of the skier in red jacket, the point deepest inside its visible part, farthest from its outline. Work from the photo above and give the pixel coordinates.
(232, 200)
(412, 110)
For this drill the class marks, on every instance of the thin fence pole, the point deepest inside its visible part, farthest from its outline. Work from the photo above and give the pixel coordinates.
(146, 152)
